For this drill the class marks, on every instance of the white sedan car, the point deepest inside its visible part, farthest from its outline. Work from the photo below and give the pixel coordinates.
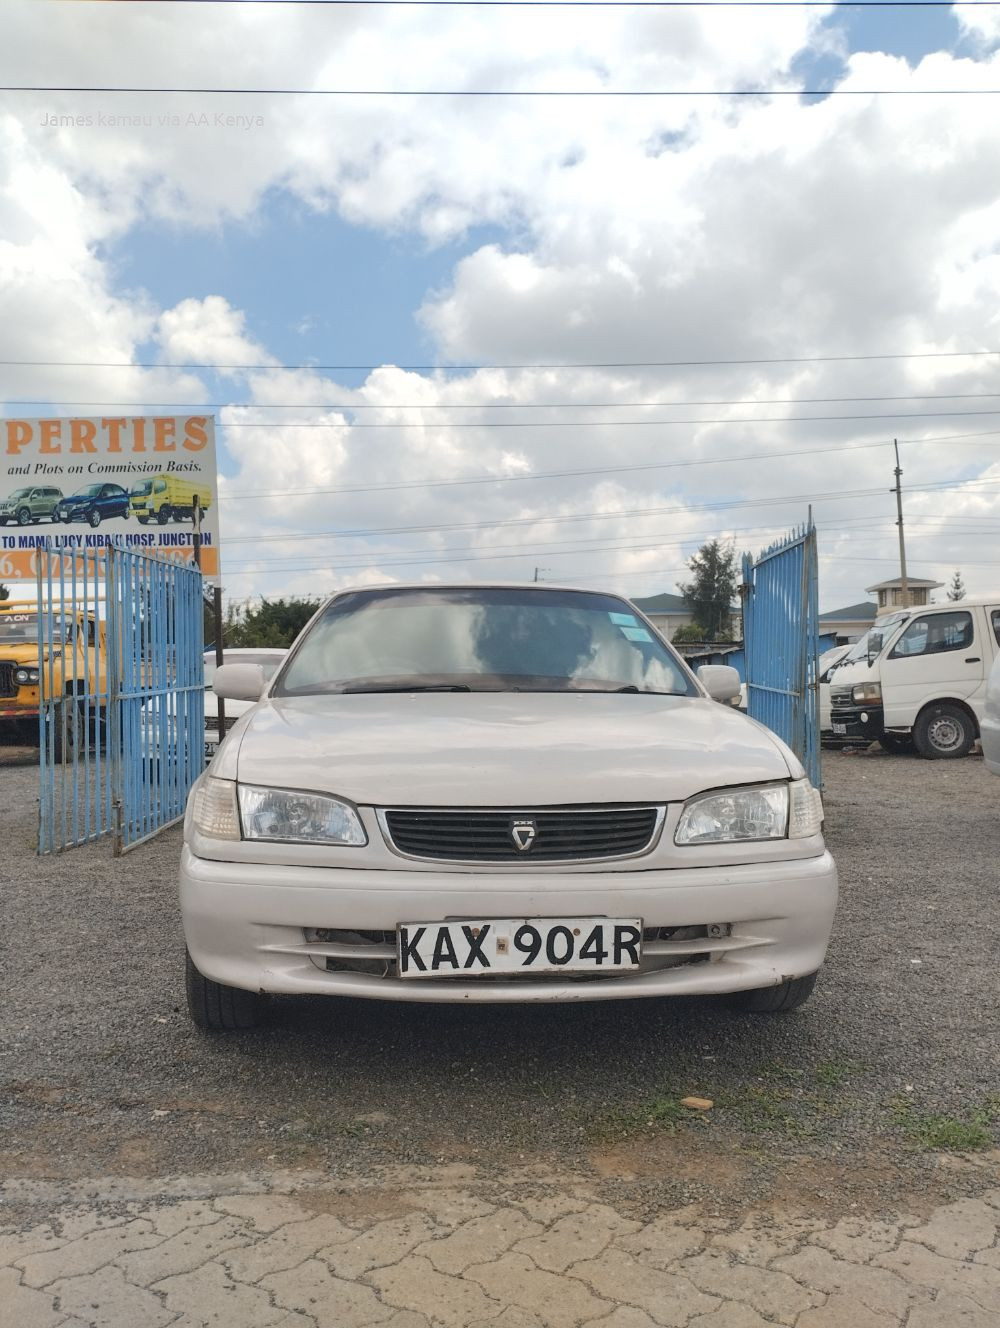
(497, 793)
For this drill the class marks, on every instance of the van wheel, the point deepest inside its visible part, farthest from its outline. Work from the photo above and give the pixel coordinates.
(163, 515)
(943, 732)
(217, 1008)
(785, 996)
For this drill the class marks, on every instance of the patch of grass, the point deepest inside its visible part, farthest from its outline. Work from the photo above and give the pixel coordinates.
(663, 1113)
(934, 1132)
(831, 1074)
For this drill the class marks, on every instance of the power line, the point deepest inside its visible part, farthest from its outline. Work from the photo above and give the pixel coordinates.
(476, 368)
(111, 89)
(391, 485)
(586, 543)
(497, 405)
(602, 424)
(581, 544)
(543, 519)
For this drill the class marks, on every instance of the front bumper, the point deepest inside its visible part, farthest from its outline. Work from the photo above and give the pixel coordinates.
(862, 722)
(245, 925)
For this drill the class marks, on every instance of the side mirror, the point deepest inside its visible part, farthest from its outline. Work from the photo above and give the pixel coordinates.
(239, 682)
(721, 681)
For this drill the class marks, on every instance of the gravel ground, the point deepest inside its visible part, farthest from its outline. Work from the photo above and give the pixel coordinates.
(896, 1052)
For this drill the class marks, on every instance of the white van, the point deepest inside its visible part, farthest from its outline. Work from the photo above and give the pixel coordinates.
(918, 678)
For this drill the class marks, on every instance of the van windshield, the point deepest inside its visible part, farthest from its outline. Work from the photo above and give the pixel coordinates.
(875, 638)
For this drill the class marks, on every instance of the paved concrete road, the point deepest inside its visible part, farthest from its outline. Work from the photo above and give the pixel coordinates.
(295, 1252)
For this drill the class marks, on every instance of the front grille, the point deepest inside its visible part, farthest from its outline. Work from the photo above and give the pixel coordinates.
(840, 696)
(8, 686)
(561, 834)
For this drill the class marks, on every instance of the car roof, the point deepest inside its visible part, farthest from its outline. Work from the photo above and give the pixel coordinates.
(475, 585)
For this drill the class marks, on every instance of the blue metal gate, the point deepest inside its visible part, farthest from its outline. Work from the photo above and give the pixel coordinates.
(121, 699)
(157, 691)
(780, 609)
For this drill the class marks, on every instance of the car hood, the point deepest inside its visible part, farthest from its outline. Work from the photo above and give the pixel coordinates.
(501, 749)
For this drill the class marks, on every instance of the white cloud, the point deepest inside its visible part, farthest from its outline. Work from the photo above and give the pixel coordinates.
(630, 230)
(979, 22)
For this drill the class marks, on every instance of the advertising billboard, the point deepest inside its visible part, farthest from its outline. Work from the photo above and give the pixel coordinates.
(72, 484)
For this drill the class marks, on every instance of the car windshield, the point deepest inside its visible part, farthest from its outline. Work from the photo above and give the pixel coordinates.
(88, 491)
(19, 493)
(481, 639)
(268, 663)
(20, 627)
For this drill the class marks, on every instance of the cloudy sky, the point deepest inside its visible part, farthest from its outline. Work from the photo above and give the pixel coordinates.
(457, 336)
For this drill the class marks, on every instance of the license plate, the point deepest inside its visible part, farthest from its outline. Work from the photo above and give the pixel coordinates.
(840, 729)
(518, 945)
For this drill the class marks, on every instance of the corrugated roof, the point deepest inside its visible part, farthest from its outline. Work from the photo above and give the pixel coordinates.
(853, 613)
(664, 603)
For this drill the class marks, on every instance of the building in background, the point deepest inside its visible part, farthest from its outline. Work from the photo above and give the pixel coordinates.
(669, 612)
(847, 625)
(890, 593)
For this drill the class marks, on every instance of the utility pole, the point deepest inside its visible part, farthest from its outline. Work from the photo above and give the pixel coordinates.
(904, 584)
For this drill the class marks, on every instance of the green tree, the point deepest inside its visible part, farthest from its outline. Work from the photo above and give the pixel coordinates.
(689, 632)
(957, 588)
(712, 589)
(274, 622)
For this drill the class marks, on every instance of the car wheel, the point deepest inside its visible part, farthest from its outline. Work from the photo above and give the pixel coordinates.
(788, 995)
(23, 516)
(217, 1008)
(895, 743)
(943, 732)
(94, 518)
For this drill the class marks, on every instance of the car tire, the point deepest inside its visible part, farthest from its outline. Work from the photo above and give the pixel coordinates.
(787, 995)
(24, 516)
(94, 518)
(896, 744)
(217, 1008)
(943, 732)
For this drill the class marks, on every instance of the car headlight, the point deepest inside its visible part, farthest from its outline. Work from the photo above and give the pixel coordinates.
(293, 816)
(867, 693)
(742, 815)
(24, 676)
